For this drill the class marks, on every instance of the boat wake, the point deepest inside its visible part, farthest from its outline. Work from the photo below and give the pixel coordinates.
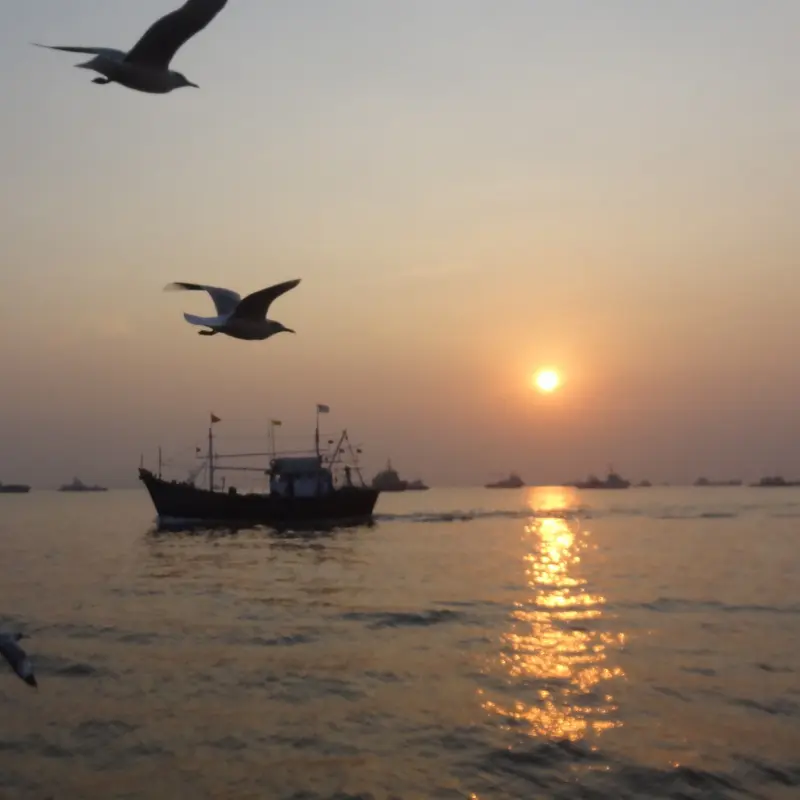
(577, 512)
(470, 516)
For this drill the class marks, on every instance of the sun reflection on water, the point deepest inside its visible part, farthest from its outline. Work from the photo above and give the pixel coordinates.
(557, 651)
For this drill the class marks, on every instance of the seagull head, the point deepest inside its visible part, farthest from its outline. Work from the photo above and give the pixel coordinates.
(179, 80)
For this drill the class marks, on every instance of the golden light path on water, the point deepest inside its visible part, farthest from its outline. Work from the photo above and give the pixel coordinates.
(557, 650)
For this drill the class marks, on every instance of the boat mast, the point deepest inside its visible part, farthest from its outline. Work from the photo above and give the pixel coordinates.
(321, 409)
(338, 448)
(159, 461)
(272, 424)
(210, 459)
(354, 456)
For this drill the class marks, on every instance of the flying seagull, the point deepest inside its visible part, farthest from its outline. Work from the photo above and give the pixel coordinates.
(17, 657)
(240, 318)
(146, 66)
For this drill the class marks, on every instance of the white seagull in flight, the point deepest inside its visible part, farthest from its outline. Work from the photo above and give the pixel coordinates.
(240, 318)
(146, 66)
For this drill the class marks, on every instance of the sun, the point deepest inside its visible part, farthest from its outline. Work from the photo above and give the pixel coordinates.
(546, 380)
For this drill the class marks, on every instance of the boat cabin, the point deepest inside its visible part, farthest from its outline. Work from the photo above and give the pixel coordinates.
(299, 477)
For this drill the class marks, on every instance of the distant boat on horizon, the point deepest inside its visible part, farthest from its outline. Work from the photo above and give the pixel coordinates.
(707, 482)
(78, 485)
(388, 480)
(14, 488)
(613, 481)
(774, 481)
(513, 481)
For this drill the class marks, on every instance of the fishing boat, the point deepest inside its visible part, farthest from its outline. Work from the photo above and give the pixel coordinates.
(308, 489)
(14, 488)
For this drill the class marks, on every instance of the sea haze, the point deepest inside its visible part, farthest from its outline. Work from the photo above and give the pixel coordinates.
(533, 643)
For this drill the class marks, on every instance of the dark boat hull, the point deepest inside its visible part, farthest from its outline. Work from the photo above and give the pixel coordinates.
(185, 503)
(14, 488)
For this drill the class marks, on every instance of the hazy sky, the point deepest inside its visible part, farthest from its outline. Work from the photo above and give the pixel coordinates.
(469, 189)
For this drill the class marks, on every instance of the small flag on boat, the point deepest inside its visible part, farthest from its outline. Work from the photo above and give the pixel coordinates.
(197, 450)
(276, 422)
(322, 409)
(214, 418)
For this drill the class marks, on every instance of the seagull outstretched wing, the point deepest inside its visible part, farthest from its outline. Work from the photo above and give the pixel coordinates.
(107, 52)
(17, 658)
(256, 305)
(225, 300)
(165, 37)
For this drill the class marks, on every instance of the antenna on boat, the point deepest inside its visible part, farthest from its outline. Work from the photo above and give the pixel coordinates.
(159, 461)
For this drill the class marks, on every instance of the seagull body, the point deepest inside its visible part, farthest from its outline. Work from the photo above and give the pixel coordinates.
(146, 66)
(240, 318)
(17, 657)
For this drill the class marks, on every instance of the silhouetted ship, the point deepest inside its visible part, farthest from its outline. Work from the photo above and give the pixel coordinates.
(387, 480)
(78, 485)
(304, 491)
(707, 482)
(14, 488)
(513, 481)
(773, 481)
(612, 481)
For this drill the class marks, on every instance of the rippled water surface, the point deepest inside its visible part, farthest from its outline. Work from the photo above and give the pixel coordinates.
(540, 643)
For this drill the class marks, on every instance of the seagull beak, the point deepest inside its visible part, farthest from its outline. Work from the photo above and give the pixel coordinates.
(194, 85)
(289, 330)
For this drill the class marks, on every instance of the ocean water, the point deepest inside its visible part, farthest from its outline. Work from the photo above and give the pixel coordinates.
(536, 643)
